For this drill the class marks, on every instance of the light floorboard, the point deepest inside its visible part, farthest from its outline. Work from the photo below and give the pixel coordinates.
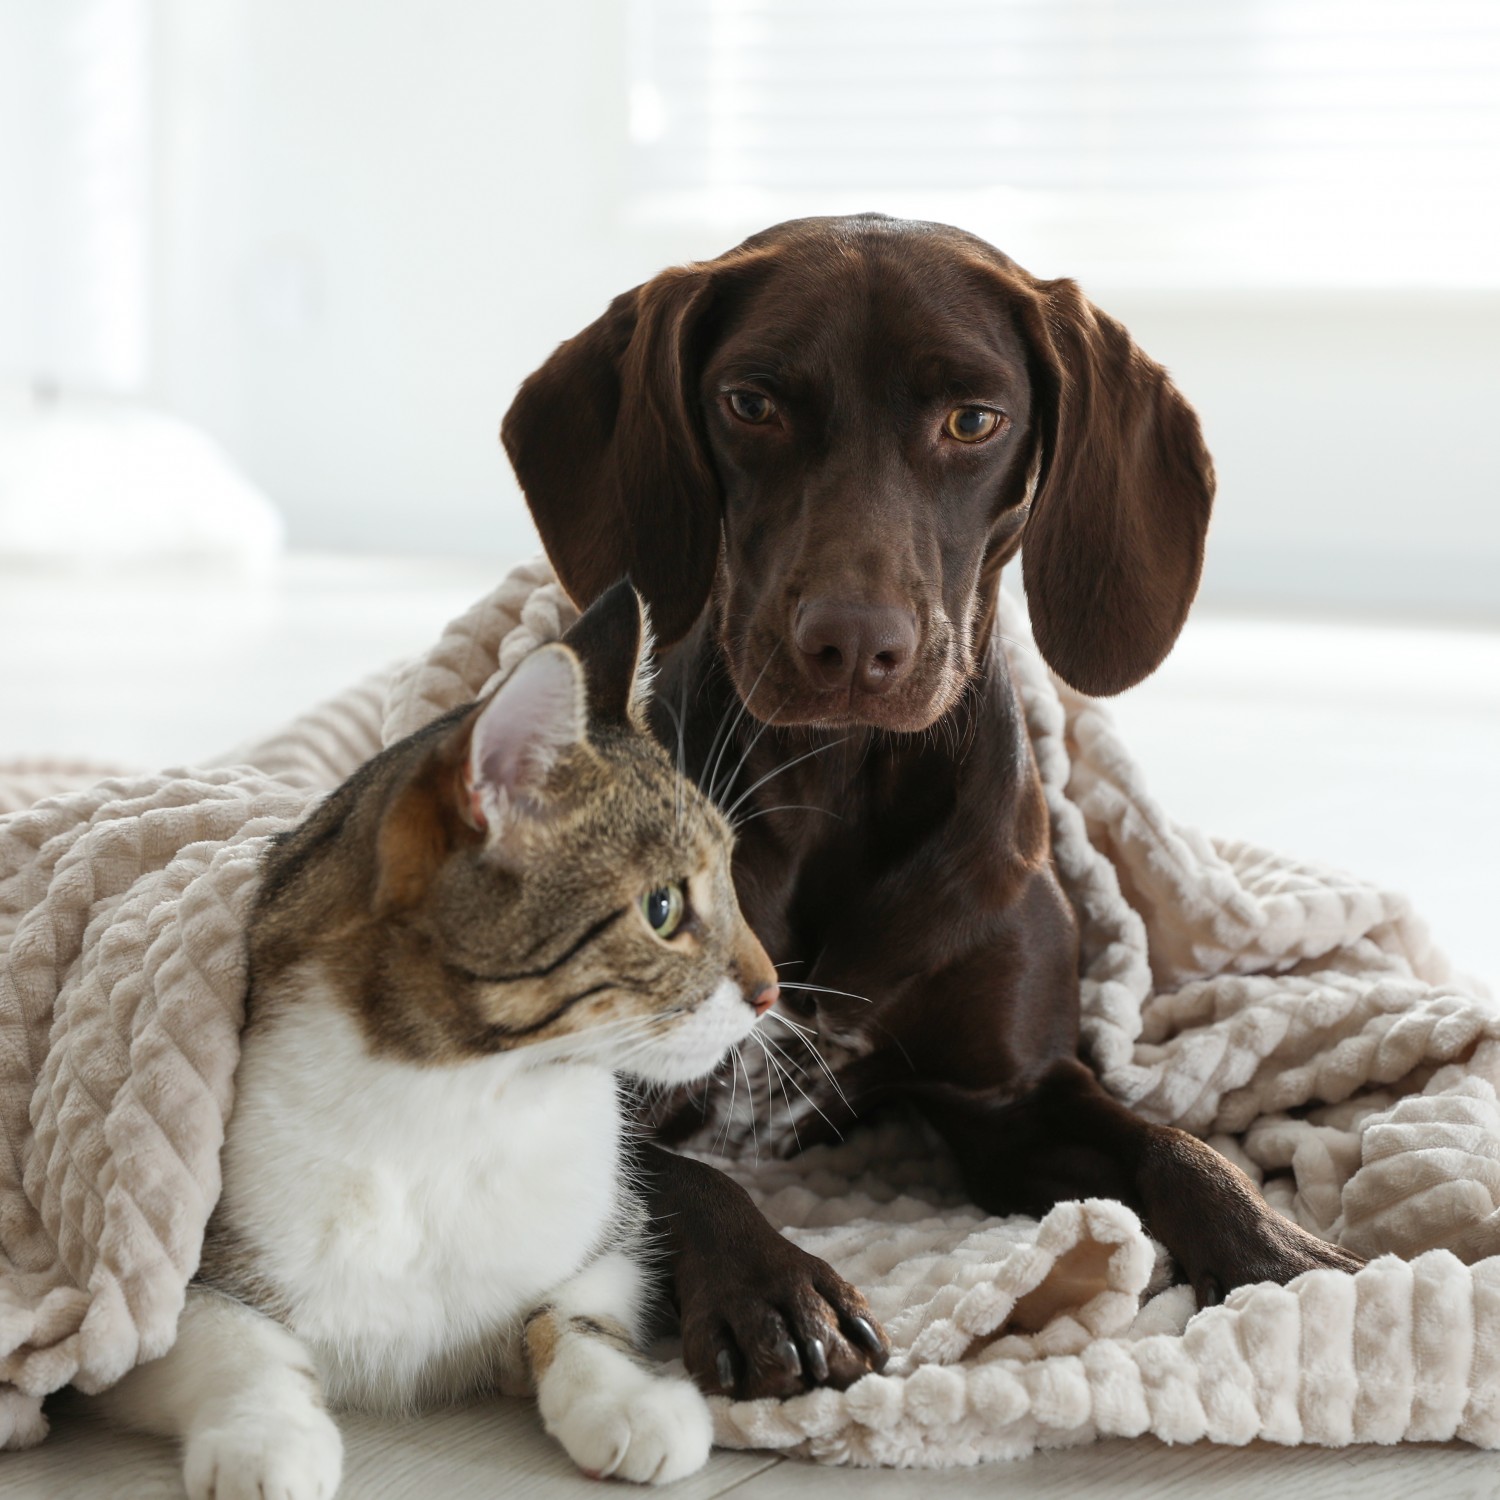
(497, 1450)
(1148, 1470)
(489, 1449)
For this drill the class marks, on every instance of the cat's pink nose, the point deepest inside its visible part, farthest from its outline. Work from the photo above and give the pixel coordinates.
(763, 997)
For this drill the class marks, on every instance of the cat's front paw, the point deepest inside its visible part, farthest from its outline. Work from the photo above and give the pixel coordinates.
(265, 1456)
(652, 1431)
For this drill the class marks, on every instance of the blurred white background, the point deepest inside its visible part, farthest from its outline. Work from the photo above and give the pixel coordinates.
(271, 270)
(334, 236)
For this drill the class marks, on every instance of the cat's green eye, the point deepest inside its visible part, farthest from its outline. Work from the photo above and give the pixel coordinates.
(664, 909)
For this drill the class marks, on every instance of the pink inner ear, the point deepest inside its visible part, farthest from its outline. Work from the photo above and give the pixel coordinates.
(476, 803)
(536, 714)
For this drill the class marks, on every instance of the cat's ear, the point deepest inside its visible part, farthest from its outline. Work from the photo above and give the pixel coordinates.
(612, 638)
(535, 716)
(487, 776)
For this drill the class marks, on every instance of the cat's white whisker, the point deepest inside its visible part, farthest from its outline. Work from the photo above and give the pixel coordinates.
(806, 1038)
(791, 1075)
(721, 1135)
(739, 1063)
(770, 1098)
(791, 1025)
(774, 1069)
(823, 989)
(622, 1061)
(597, 1044)
(734, 1086)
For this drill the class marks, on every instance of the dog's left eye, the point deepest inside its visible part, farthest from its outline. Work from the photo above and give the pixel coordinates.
(971, 424)
(751, 406)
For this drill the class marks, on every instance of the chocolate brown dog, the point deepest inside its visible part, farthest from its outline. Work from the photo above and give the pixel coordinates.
(813, 456)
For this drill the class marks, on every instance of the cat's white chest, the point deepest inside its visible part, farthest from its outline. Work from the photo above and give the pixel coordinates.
(407, 1218)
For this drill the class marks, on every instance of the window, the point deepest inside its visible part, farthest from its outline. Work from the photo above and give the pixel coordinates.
(1239, 142)
(74, 193)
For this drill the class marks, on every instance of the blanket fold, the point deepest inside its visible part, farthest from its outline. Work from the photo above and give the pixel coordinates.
(1298, 1018)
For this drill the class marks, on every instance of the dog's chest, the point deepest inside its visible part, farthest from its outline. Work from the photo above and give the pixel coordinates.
(404, 1219)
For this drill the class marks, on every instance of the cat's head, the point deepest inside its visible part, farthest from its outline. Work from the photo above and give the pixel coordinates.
(537, 875)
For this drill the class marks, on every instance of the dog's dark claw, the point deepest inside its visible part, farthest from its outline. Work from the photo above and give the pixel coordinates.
(769, 1320)
(862, 1331)
(1265, 1248)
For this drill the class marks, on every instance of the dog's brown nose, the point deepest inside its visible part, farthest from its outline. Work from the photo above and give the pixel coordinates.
(867, 646)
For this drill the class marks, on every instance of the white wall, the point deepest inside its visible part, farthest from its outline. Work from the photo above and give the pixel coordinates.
(382, 216)
(1354, 438)
(377, 217)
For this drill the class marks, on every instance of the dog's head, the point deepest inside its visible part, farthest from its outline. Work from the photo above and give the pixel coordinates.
(840, 431)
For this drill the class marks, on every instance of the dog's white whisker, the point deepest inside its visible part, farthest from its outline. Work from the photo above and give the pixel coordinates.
(713, 774)
(796, 760)
(749, 750)
(763, 812)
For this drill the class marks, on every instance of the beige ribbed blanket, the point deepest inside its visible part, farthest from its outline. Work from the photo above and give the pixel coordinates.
(1297, 1018)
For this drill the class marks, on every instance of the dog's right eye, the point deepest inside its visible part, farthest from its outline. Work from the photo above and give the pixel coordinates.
(751, 406)
(971, 424)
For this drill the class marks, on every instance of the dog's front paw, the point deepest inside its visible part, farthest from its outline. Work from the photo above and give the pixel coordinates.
(269, 1455)
(650, 1429)
(774, 1321)
(1213, 1220)
(1275, 1250)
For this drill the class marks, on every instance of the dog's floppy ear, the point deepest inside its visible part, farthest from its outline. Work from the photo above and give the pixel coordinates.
(606, 441)
(1113, 548)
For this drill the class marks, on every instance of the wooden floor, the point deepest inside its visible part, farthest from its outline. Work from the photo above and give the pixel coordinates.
(497, 1450)
(1373, 748)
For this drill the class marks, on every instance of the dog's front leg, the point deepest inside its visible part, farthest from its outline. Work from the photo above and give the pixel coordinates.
(1065, 1138)
(759, 1316)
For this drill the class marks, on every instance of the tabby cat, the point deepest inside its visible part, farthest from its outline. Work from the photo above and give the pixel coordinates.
(426, 1190)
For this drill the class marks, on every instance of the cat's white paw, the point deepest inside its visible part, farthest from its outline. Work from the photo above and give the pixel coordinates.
(652, 1431)
(270, 1455)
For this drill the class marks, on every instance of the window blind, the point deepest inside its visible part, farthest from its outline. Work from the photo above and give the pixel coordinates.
(1262, 140)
